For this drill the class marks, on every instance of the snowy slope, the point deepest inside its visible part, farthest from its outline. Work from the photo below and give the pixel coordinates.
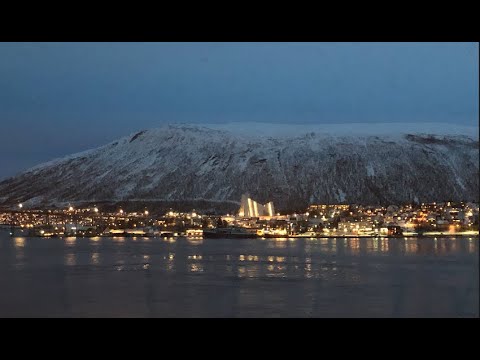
(258, 129)
(291, 165)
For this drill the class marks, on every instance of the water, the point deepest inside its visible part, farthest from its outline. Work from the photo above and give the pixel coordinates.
(145, 277)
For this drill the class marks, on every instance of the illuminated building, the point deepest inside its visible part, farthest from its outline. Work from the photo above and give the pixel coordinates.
(251, 208)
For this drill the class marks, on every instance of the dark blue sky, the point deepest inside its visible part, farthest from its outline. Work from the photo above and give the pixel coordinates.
(59, 98)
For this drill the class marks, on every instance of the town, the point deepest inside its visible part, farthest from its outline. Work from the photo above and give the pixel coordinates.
(252, 220)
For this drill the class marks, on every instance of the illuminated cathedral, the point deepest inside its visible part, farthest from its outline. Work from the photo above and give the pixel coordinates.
(251, 208)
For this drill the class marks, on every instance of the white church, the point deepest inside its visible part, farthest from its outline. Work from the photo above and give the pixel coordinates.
(251, 208)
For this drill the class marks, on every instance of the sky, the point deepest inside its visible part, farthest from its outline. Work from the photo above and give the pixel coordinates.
(61, 98)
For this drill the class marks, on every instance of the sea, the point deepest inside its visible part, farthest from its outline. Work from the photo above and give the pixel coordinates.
(239, 278)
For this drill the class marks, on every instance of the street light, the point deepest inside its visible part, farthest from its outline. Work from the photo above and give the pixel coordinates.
(20, 205)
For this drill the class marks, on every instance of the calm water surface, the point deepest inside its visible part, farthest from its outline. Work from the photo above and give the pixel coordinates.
(145, 277)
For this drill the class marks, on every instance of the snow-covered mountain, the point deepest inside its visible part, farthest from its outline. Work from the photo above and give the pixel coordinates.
(291, 165)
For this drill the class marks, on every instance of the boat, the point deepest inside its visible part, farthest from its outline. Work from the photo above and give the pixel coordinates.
(194, 233)
(230, 232)
(268, 235)
(308, 234)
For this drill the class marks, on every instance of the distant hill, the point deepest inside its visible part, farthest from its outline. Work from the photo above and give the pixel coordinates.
(291, 165)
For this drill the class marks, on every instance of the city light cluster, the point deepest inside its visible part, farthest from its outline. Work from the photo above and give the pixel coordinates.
(317, 220)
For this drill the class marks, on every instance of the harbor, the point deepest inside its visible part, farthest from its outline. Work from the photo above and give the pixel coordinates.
(252, 220)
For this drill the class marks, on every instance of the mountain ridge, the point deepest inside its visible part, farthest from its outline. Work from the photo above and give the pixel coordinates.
(184, 162)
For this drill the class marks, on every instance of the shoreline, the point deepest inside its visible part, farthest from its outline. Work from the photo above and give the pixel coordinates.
(372, 236)
(264, 237)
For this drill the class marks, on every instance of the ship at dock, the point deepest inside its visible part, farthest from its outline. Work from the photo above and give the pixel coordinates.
(230, 232)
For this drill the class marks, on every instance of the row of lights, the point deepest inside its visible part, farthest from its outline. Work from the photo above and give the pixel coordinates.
(95, 209)
(71, 209)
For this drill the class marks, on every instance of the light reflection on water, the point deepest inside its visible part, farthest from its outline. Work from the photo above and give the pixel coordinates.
(70, 259)
(95, 258)
(19, 242)
(70, 240)
(471, 245)
(195, 241)
(278, 243)
(20, 252)
(196, 267)
(246, 277)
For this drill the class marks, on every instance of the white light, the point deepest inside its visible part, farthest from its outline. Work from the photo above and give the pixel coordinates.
(96, 210)
(70, 208)
(20, 206)
(146, 212)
